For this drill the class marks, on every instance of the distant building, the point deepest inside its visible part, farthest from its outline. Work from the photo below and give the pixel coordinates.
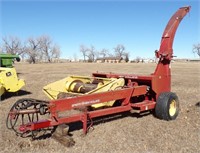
(148, 60)
(110, 60)
(186, 60)
(194, 60)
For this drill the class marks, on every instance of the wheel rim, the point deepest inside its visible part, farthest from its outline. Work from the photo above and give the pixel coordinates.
(172, 108)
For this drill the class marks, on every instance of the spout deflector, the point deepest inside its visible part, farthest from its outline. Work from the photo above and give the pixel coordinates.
(166, 45)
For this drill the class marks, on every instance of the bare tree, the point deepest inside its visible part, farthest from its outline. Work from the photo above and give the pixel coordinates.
(55, 51)
(138, 59)
(91, 53)
(119, 50)
(196, 49)
(121, 53)
(32, 49)
(46, 47)
(84, 50)
(111, 55)
(49, 50)
(126, 56)
(12, 45)
(104, 52)
(39, 48)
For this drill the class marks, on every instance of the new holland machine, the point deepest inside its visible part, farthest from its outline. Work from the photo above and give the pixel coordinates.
(9, 81)
(82, 99)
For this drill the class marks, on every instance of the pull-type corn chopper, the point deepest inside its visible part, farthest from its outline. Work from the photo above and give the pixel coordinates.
(9, 81)
(78, 98)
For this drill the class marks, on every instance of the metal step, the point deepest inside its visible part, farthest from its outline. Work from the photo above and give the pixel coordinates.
(143, 106)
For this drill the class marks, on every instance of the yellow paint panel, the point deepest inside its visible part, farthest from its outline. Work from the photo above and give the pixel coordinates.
(67, 85)
(9, 80)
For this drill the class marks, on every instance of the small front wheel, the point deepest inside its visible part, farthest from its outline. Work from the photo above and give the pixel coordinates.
(167, 106)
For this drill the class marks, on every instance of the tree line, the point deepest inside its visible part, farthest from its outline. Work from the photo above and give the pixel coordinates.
(90, 54)
(44, 49)
(34, 49)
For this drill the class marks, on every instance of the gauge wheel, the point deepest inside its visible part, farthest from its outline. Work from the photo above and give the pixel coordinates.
(167, 106)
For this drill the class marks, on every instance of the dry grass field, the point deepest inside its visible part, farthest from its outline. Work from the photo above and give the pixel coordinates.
(127, 133)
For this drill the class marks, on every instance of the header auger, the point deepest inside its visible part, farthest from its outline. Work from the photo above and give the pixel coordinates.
(78, 98)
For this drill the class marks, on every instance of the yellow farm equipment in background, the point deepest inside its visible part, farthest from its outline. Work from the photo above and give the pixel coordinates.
(9, 81)
(73, 86)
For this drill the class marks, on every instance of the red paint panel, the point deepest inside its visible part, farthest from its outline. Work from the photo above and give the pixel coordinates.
(87, 100)
(108, 111)
(68, 119)
(126, 76)
(139, 90)
(40, 124)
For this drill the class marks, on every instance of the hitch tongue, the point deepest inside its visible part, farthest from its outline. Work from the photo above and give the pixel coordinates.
(61, 135)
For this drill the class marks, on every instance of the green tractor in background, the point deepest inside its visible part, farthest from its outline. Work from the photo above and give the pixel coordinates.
(9, 81)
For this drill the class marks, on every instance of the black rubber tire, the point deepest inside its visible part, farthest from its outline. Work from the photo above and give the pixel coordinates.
(162, 109)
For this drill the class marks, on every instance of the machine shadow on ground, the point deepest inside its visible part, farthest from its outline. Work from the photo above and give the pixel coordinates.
(106, 119)
(16, 94)
(99, 120)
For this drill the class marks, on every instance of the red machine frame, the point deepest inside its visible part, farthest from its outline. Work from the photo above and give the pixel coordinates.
(139, 94)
